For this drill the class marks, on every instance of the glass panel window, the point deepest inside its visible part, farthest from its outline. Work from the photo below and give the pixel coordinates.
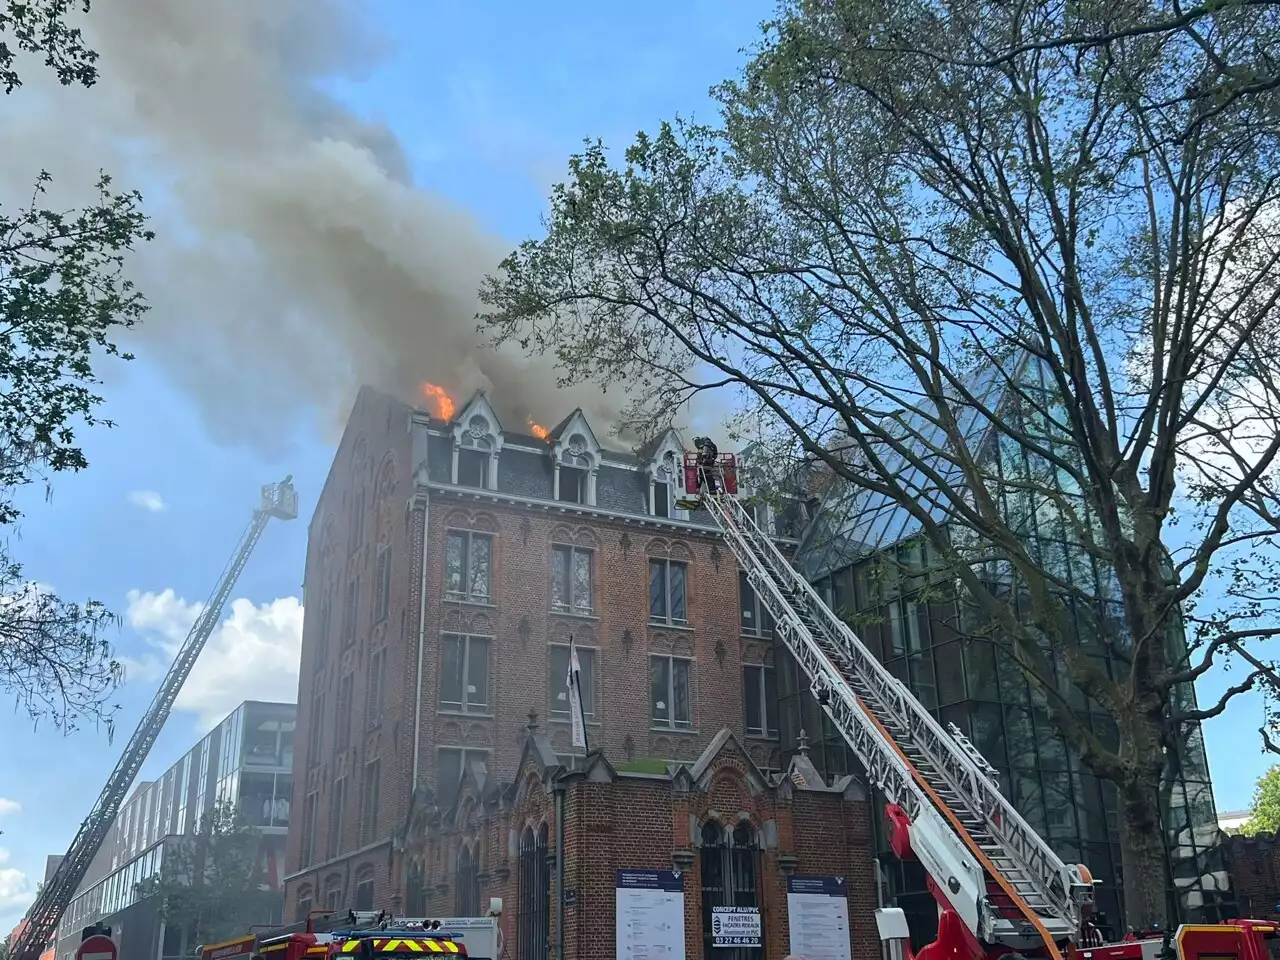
(345, 690)
(760, 701)
(468, 566)
(667, 591)
(309, 829)
(337, 807)
(364, 893)
(351, 612)
(756, 621)
(382, 590)
(453, 762)
(376, 679)
(904, 627)
(464, 673)
(369, 803)
(670, 693)
(571, 579)
(558, 672)
(573, 484)
(661, 499)
(473, 468)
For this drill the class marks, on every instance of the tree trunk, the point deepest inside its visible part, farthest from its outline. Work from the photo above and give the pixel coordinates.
(1143, 858)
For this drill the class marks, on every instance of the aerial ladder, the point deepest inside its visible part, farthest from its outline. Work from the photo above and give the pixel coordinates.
(279, 501)
(984, 862)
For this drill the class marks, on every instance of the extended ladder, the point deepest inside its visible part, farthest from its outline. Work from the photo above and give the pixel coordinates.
(278, 500)
(965, 832)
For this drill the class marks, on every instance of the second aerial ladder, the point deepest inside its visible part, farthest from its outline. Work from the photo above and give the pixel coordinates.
(984, 861)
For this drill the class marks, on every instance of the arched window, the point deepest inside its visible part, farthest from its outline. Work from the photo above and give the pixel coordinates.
(305, 901)
(467, 903)
(415, 897)
(364, 889)
(533, 921)
(730, 864)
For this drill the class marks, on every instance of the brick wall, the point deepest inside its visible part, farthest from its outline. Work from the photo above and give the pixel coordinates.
(1254, 866)
(369, 505)
(615, 820)
(351, 663)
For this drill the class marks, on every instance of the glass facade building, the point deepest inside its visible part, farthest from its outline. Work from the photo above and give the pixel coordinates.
(866, 556)
(247, 760)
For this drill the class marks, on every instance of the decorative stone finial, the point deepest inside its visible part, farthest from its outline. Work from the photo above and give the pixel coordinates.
(804, 743)
(532, 725)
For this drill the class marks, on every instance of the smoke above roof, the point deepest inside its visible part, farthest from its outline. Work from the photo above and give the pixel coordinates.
(295, 259)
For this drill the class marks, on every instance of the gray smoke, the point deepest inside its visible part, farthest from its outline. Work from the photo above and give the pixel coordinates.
(295, 260)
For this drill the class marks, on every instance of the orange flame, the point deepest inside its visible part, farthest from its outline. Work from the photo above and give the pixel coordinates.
(439, 402)
(539, 431)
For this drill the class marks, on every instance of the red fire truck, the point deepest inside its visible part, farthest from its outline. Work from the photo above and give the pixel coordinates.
(369, 934)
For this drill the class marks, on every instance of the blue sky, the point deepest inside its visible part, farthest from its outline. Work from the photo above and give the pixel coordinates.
(487, 98)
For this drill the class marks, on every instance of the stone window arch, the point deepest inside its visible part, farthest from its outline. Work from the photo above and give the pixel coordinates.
(533, 919)
(467, 882)
(333, 892)
(364, 888)
(729, 861)
(305, 903)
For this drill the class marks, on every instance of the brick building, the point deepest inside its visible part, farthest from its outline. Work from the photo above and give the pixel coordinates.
(449, 562)
(1254, 865)
(719, 820)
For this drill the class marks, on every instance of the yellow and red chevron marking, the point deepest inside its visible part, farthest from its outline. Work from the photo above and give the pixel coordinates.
(405, 945)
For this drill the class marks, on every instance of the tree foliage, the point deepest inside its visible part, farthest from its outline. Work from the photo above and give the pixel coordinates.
(1264, 810)
(1011, 267)
(211, 885)
(40, 28)
(64, 299)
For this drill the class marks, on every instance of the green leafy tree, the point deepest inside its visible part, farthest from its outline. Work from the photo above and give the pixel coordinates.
(1011, 267)
(1264, 811)
(63, 301)
(211, 884)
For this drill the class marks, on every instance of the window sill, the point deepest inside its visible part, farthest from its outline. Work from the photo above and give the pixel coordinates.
(757, 735)
(468, 601)
(654, 728)
(568, 720)
(474, 715)
(575, 614)
(672, 625)
(744, 635)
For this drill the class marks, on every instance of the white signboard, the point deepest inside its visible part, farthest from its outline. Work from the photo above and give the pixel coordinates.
(735, 927)
(818, 909)
(650, 914)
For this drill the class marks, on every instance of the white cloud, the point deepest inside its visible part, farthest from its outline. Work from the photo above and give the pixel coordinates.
(16, 893)
(8, 806)
(253, 654)
(148, 500)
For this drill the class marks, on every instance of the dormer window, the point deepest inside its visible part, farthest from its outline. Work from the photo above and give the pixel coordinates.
(477, 440)
(473, 467)
(577, 460)
(573, 484)
(661, 498)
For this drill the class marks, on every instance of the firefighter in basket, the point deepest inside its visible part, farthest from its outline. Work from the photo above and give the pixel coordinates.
(702, 474)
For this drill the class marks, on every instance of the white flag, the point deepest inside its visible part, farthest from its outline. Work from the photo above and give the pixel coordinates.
(574, 682)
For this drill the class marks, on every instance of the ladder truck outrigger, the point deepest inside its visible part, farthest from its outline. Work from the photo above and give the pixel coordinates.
(1000, 888)
(279, 501)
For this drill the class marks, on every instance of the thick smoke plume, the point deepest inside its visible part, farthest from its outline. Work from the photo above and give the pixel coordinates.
(295, 259)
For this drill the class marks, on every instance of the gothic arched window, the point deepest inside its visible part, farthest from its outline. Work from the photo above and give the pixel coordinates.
(730, 878)
(533, 921)
(467, 883)
(415, 895)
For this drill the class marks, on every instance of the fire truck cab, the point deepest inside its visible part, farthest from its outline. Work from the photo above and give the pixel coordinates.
(389, 944)
(1233, 940)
